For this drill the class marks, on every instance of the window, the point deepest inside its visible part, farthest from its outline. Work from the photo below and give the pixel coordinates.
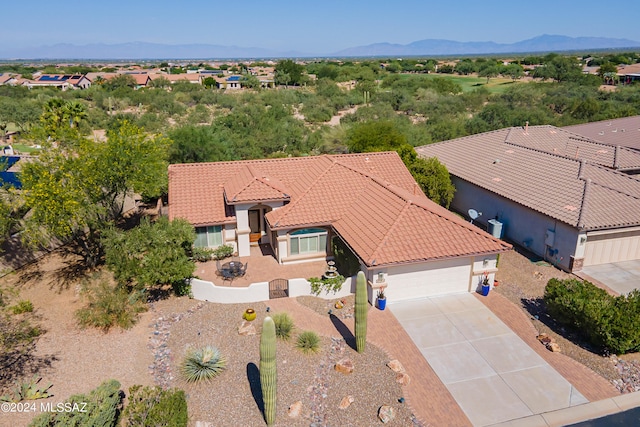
(308, 241)
(208, 237)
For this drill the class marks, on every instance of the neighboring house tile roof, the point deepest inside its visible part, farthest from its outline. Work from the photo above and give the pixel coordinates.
(521, 165)
(370, 199)
(624, 132)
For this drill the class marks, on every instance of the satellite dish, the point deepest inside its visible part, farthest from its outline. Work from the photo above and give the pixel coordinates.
(474, 214)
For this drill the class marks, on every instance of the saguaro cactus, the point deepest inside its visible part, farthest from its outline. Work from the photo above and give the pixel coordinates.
(362, 310)
(268, 369)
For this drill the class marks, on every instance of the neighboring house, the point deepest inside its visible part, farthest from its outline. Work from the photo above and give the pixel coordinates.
(370, 201)
(184, 77)
(624, 132)
(569, 199)
(62, 81)
(629, 73)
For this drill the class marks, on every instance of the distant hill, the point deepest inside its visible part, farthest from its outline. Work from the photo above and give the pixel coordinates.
(142, 50)
(544, 43)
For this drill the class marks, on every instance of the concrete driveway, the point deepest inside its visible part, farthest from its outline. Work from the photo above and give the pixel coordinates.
(493, 375)
(622, 277)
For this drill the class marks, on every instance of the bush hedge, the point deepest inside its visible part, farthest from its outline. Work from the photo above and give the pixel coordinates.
(608, 322)
(155, 407)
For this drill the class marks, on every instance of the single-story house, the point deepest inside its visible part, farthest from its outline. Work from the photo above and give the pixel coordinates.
(624, 131)
(63, 81)
(403, 240)
(572, 200)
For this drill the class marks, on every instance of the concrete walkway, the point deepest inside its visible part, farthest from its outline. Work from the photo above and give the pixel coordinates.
(621, 277)
(493, 375)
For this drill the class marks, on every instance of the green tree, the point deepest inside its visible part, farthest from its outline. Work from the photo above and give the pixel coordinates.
(374, 136)
(74, 191)
(513, 70)
(288, 72)
(151, 254)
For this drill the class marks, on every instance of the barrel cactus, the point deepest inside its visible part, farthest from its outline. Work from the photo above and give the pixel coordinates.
(362, 310)
(268, 369)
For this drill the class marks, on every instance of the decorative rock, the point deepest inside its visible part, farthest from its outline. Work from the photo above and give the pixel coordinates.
(246, 328)
(386, 413)
(395, 366)
(295, 410)
(345, 402)
(203, 424)
(554, 347)
(403, 378)
(544, 338)
(344, 365)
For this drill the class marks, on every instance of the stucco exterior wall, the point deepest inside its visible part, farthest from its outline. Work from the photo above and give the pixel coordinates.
(521, 225)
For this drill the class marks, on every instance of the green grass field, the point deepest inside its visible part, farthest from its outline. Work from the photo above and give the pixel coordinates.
(24, 148)
(469, 83)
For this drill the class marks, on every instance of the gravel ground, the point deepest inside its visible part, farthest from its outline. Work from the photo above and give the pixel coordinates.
(523, 283)
(151, 352)
(230, 398)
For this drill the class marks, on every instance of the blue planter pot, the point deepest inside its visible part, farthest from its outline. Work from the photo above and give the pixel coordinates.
(485, 290)
(382, 303)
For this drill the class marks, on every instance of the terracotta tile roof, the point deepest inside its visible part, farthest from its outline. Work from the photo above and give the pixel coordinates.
(564, 143)
(624, 132)
(505, 163)
(370, 199)
(251, 185)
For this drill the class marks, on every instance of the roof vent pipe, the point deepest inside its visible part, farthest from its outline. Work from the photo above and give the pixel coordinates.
(526, 127)
(616, 157)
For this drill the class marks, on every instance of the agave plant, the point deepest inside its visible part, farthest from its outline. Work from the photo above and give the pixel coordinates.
(202, 364)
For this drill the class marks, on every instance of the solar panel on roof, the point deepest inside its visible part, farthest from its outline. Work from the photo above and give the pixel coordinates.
(233, 79)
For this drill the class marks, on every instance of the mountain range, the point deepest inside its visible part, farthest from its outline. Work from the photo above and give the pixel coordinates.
(427, 47)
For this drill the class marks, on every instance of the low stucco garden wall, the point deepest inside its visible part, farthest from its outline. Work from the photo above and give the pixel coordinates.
(207, 291)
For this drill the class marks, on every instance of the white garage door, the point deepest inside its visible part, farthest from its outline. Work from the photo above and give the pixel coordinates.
(428, 279)
(612, 247)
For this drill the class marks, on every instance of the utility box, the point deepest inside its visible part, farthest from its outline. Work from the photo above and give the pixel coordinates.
(495, 228)
(549, 238)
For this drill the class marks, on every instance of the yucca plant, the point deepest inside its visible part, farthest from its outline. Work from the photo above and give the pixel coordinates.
(202, 364)
(308, 342)
(284, 325)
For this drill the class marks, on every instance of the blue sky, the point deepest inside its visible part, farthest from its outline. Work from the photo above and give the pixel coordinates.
(313, 27)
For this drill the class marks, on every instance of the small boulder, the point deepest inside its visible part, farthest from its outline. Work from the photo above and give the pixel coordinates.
(395, 366)
(203, 424)
(544, 338)
(295, 409)
(554, 347)
(246, 328)
(403, 378)
(345, 402)
(386, 413)
(344, 365)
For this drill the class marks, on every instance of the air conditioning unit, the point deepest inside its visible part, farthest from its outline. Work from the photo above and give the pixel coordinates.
(549, 238)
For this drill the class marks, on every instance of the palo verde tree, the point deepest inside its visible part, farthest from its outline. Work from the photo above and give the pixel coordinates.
(77, 189)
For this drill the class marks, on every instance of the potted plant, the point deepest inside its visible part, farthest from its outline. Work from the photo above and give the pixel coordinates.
(382, 299)
(485, 284)
(249, 315)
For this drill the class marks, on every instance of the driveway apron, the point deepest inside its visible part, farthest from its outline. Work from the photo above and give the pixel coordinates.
(493, 375)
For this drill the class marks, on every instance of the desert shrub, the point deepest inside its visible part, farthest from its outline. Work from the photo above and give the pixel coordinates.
(100, 408)
(607, 322)
(284, 325)
(308, 342)
(24, 306)
(223, 251)
(110, 306)
(202, 254)
(202, 364)
(155, 407)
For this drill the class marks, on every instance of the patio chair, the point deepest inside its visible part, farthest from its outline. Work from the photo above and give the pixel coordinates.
(227, 274)
(243, 270)
(218, 268)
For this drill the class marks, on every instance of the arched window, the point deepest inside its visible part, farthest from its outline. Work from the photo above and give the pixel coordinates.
(308, 241)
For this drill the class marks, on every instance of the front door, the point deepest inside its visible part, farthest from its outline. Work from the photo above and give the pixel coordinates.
(255, 225)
